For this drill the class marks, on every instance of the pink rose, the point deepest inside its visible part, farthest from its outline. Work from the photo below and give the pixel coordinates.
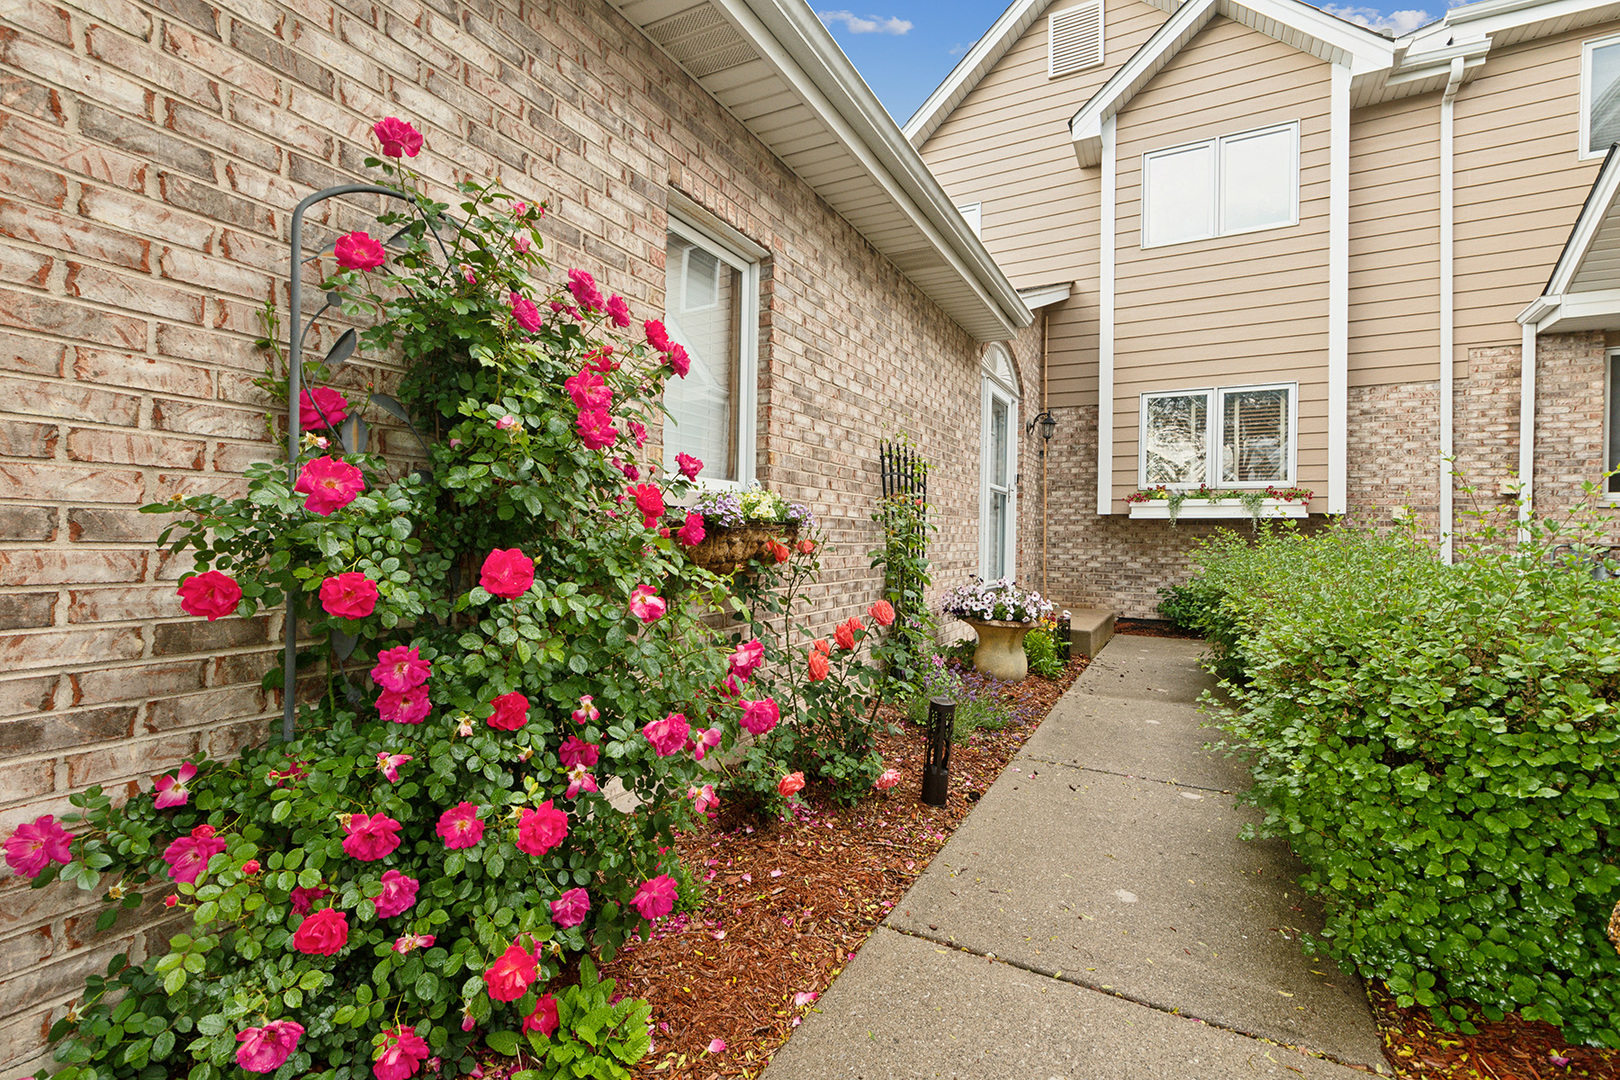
(321, 407)
(351, 595)
(358, 251)
(679, 362)
(844, 634)
(511, 711)
(303, 899)
(691, 534)
(400, 668)
(600, 359)
(523, 243)
(541, 830)
(188, 856)
(370, 837)
(508, 978)
(570, 908)
(657, 335)
(576, 751)
(580, 779)
(596, 430)
(251, 867)
(668, 736)
(889, 778)
(408, 942)
(619, 311)
(459, 826)
(524, 313)
(507, 573)
(588, 391)
(638, 431)
(36, 844)
(789, 784)
(587, 713)
(705, 741)
(703, 799)
(330, 484)
(266, 1049)
(172, 790)
(322, 933)
(586, 294)
(506, 423)
(404, 706)
(209, 593)
(746, 659)
(655, 898)
(689, 465)
(760, 716)
(650, 501)
(398, 894)
(402, 1054)
(646, 605)
(882, 613)
(544, 1017)
(817, 665)
(397, 137)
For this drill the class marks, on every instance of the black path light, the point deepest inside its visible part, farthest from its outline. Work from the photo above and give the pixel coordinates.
(937, 770)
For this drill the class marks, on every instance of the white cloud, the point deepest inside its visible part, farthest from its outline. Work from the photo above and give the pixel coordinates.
(870, 24)
(1395, 22)
(961, 50)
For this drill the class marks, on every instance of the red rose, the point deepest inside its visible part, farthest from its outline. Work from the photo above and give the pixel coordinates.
(370, 837)
(358, 251)
(321, 407)
(349, 596)
(322, 933)
(541, 830)
(544, 1017)
(807, 546)
(789, 784)
(650, 501)
(845, 635)
(209, 593)
(779, 551)
(508, 978)
(818, 666)
(397, 137)
(511, 712)
(506, 573)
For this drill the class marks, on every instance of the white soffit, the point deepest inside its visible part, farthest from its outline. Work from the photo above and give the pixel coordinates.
(975, 65)
(1038, 296)
(824, 123)
(1583, 292)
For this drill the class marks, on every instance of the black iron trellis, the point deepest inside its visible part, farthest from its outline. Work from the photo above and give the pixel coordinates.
(905, 476)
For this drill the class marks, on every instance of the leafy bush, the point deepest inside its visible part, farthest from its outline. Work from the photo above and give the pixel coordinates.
(1440, 746)
(978, 700)
(1040, 649)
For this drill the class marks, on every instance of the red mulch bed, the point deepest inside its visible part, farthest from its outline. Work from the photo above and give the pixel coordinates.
(788, 903)
(1152, 628)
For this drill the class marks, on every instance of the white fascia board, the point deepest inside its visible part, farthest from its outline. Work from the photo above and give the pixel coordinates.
(1599, 202)
(1599, 303)
(1414, 66)
(1493, 16)
(1046, 295)
(789, 38)
(1537, 310)
(984, 55)
(1360, 49)
(1134, 73)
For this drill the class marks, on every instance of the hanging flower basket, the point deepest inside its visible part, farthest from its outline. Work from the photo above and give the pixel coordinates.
(726, 550)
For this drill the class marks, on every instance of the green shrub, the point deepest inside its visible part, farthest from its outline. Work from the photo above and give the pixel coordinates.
(1440, 746)
(1040, 649)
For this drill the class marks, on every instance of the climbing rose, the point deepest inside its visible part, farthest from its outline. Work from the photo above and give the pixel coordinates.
(807, 546)
(388, 764)
(511, 712)
(570, 908)
(370, 837)
(350, 595)
(576, 751)
(587, 713)
(845, 633)
(172, 790)
(646, 605)
(619, 311)
(397, 137)
(541, 830)
(882, 613)
(37, 844)
(330, 484)
(404, 706)
(655, 898)
(321, 407)
(705, 741)
(209, 593)
(303, 899)
(679, 362)
(689, 465)
(398, 894)
(779, 551)
(188, 856)
(506, 423)
(667, 736)
(889, 778)
(506, 573)
(459, 826)
(746, 659)
(583, 286)
(251, 867)
(703, 799)
(400, 668)
(580, 779)
(820, 645)
(588, 391)
(544, 1017)
(406, 942)
(657, 335)
(818, 666)
(510, 975)
(403, 1053)
(524, 313)
(266, 1049)
(358, 251)
(596, 430)
(600, 359)
(790, 784)
(322, 933)
(760, 716)
(650, 501)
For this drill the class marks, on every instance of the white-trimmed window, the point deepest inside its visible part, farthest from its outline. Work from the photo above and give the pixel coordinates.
(998, 467)
(1230, 437)
(1233, 184)
(711, 306)
(1074, 39)
(1600, 96)
(1611, 424)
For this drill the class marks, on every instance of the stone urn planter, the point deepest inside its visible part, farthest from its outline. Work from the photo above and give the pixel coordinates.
(1001, 648)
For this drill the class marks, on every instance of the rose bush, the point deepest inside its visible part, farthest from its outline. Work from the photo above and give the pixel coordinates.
(488, 639)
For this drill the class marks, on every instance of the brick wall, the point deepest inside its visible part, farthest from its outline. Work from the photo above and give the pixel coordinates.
(150, 155)
(1394, 447)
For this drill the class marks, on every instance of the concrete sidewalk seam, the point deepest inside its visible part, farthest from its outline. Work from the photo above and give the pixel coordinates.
(1060, 975)
(1130, 776)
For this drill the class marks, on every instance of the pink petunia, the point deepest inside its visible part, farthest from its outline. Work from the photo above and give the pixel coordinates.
(689, 465)
(329, 485)
(667, 736)
(507, 573)
(655, 898)
(359, 251)
(398, 894)
(209, 593)
(459, 826)
(36, 844)
(541, 829)
(370, 837)
(646, 604)
(400, 668)
(172, 790)
(570, 908)
(397, 137)
(760, 716)
(321, 407)
(410, 706)
(266, 1049)
(595, 429)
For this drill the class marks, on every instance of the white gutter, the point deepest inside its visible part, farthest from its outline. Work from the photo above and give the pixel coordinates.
(1448, 206)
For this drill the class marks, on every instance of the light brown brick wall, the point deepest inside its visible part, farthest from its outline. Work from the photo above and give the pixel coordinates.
(150, 155)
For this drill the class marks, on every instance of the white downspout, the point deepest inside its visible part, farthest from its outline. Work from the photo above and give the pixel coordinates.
(1527, 426)
(1447, 305)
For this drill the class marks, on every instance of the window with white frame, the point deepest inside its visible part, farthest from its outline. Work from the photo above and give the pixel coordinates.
(1233, 184)
(712, 309)
(1236, 436)
(1611, 485)
(1600, 96)
(998, 466)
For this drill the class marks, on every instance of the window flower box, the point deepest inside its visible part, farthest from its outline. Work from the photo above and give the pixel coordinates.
(1164, 504)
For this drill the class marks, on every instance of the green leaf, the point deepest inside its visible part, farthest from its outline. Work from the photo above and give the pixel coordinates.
(504, 1043)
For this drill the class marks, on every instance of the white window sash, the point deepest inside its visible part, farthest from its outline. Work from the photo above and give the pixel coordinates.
(1217, 147)
(1215, 419)
(1584, 150)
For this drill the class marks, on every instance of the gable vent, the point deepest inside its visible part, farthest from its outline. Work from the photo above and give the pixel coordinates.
(1075, 39)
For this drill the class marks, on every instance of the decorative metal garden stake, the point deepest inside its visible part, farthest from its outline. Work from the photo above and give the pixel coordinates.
(937, 771)
(1065, 639)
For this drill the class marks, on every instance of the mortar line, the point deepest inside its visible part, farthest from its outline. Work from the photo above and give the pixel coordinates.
(1057, 975)
(1128, 776)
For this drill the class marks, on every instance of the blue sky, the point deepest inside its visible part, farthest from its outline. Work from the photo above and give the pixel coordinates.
(905, 48)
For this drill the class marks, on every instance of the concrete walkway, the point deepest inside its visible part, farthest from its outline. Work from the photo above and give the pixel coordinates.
(1096, 917)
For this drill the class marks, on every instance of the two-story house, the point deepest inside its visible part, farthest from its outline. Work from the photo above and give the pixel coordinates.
(1272, 248)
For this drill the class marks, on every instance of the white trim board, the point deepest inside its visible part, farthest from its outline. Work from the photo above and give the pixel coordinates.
(1338, 343)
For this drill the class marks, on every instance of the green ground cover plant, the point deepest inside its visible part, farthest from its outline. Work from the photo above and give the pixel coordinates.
(1441, 747)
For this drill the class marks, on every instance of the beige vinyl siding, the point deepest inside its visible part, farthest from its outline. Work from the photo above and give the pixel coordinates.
(1394, 334)
(1520, 183)
(1006, 147)
(1235, 310)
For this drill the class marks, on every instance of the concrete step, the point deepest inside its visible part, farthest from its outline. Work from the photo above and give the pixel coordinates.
(1090, 629)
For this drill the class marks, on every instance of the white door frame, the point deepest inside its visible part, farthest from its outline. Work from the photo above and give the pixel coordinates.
(1000, 383)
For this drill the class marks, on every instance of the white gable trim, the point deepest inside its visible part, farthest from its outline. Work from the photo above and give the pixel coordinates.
(984, 55)
(1039, 296)
(1557, 303)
